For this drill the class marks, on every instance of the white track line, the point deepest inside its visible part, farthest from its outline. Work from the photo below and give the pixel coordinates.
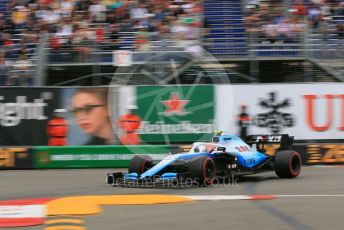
(255, 196)
(219, 197)
(314, 195)
(232, 197)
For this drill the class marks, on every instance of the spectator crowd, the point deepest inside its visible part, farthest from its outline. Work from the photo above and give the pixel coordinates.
(273, 21)
(81, 26)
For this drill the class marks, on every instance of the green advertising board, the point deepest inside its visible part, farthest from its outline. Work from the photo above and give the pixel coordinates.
(94, 156)
(173, 114)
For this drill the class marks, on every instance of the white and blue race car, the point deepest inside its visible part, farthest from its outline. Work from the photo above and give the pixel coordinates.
(223, 159)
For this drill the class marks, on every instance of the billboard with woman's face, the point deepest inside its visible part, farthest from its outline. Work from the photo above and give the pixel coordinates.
(31, 117)
(90, 115)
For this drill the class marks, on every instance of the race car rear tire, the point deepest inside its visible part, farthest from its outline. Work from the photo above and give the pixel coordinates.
(203, 171)
(287, 164)
(139, 164)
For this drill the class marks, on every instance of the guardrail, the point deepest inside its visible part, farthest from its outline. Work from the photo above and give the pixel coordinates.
(257, 49)
(327, 51)
(70, 57)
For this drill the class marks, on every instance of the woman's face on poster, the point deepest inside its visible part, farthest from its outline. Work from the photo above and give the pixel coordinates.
(90, 112)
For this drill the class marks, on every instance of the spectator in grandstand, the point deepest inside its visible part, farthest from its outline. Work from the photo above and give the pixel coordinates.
(66, 8)
(138, 12)
(286, 30)
(19, 17)
(252, 4)
(126, 25)
(7, 40)
(51, 15)
(100, 35)
(91, 112)
(142, 42)
(2, 26)
(83, 43)
(340, 30)
(64, 29)
(114, 39)
(112, 18)
(97, 11)
(161, 36)
(3, 71)
(178, 30)
(299, 9)
(338, 10)
(23, 70)
(314, 16)
(270, 32)
(81, 21)
(55, 42)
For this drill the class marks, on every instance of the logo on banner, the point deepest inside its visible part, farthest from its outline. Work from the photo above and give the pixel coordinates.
(175, 105)
(9, 157)
(12, 113)
(187, 111)
(330, 102)
(330, 153)
(274, 119)
(44, 157)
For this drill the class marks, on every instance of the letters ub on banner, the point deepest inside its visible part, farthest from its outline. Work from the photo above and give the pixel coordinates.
(26, 116)
(306, 111)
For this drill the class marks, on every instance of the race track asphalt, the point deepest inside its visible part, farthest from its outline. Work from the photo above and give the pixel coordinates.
(302, 211)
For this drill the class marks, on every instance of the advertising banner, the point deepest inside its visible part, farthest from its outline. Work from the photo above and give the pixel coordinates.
(16, 158)
(321, 153)
(305, 111)
(57, 116)
(94, 156)
(175, 113)
(168, 114)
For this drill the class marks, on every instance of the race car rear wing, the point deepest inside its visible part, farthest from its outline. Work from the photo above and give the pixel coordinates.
(283, 140)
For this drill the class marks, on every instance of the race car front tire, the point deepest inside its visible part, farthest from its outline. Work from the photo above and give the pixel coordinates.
(203, 171)
(139, 164)
(287, 164)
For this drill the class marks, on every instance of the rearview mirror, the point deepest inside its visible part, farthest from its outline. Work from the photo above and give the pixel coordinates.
(223, 149)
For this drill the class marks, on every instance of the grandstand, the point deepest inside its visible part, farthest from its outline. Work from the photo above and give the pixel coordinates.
(72, 41)
(227, 34)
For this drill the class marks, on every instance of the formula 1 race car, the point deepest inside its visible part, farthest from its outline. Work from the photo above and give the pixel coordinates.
(223, 159)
